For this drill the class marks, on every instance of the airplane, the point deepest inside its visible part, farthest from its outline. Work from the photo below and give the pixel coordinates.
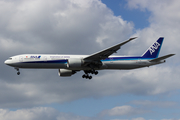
(68, 65)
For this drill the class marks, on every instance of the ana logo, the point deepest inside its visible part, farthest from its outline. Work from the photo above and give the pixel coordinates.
(154, 47)
(35, 57)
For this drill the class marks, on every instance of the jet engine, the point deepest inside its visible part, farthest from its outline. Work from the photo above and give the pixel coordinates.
(65, 72)
(74, 63)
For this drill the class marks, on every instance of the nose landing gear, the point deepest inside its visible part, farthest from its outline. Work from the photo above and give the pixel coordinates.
(18, 72)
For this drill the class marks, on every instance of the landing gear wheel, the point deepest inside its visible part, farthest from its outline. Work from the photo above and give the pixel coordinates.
(18, 73)
(87, 72)
(96, 72)
(83, 76)
(87, 76)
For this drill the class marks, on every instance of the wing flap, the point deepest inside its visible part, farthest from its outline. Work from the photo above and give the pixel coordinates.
(107, 52)
(161, 58)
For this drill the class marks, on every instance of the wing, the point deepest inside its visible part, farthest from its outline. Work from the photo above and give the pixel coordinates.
(107, 52)
(161, 58)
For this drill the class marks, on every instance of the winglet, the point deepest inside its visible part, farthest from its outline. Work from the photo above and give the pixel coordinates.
(126, 41)
(132, 38)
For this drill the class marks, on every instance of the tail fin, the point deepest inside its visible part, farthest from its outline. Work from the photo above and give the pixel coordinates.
(154, 49)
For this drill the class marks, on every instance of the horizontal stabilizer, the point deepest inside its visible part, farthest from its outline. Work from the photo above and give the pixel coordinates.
(161, 58)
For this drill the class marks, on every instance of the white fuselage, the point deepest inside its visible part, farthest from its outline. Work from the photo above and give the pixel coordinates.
(57, 61)
(68, 65)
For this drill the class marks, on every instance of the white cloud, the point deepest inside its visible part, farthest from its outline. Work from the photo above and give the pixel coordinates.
(9, 44)
(82, 27)
(46, 113)
(47, 24)
(164, 21)
(162, 104)
(140, 118)
(123, 110)
(39, 113)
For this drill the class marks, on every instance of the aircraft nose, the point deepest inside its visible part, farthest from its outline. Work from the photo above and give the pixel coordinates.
(6, 62)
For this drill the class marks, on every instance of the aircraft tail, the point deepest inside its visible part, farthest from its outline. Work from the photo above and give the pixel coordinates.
(154, 49)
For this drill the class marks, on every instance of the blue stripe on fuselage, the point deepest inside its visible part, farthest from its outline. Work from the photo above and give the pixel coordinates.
(125, 58)
(48, 61)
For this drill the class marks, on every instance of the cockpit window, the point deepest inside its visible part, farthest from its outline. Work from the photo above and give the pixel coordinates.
(9, 58)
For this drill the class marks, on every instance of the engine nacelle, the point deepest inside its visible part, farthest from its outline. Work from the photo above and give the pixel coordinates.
(74, 63)
(65, 72)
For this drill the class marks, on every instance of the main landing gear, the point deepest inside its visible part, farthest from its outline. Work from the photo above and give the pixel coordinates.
(18, 72)
(87, 76)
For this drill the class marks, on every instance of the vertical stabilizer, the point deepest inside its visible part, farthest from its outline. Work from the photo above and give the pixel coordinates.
(154, 49)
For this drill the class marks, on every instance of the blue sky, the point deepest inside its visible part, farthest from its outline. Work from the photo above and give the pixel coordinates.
(85, 27)
(120, 8)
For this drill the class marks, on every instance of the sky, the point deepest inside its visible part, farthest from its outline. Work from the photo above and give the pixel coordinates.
(85, 27)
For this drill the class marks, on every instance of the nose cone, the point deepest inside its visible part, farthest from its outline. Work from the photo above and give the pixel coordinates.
(6, 62)
(9, 61)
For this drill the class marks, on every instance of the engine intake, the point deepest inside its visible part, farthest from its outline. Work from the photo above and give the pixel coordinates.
(65, 72)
